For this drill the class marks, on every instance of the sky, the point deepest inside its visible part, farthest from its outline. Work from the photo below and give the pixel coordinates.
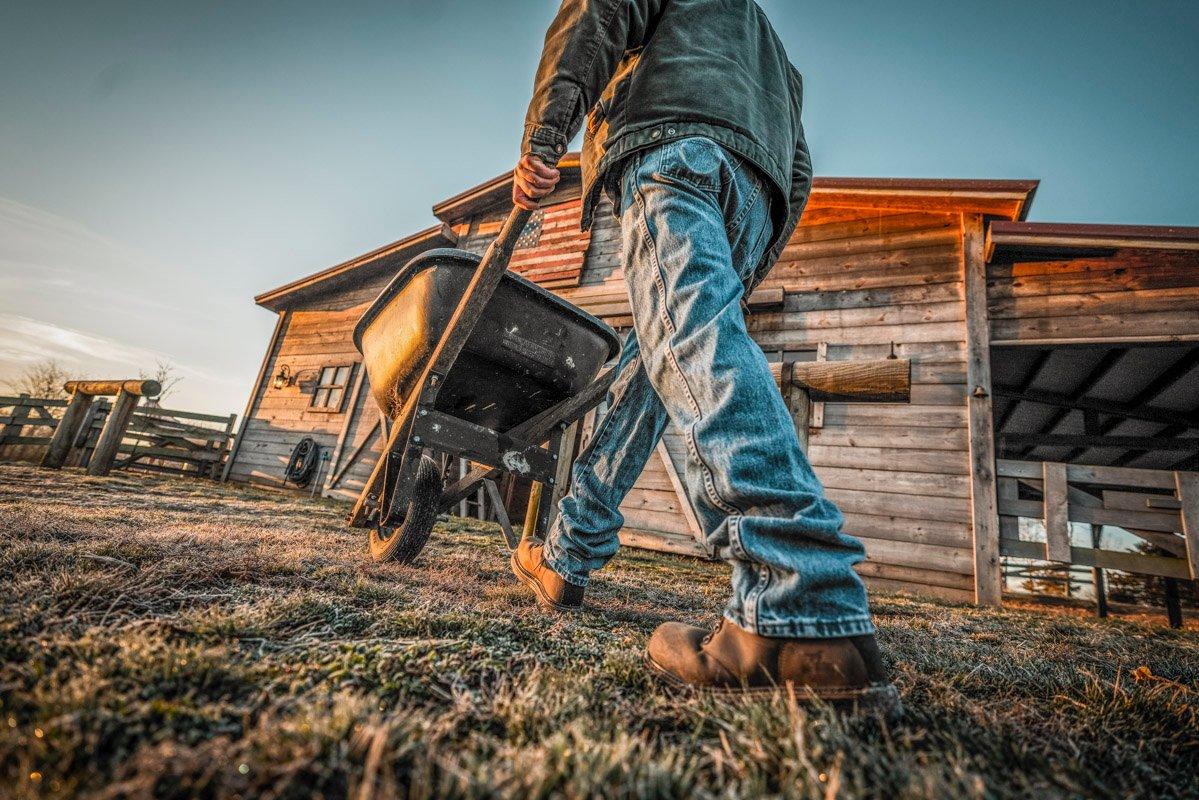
(163, 162)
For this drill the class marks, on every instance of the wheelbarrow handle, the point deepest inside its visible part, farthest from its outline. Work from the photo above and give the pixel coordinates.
(505, 242)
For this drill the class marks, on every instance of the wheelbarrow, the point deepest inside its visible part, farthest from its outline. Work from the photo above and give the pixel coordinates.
(467, 359)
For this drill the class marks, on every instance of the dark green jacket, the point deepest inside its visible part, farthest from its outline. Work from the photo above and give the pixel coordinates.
(649, 71)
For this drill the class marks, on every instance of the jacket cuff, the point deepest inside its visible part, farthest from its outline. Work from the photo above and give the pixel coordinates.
(546, 143)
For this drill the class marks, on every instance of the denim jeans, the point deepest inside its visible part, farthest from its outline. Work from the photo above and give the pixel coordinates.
(695, 220)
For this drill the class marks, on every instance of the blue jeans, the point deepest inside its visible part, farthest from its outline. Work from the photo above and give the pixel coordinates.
(695, 221)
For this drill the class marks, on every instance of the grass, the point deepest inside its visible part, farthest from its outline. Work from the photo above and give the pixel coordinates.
(170, 639)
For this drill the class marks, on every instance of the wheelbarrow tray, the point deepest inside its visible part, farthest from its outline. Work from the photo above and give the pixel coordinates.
(528, 351)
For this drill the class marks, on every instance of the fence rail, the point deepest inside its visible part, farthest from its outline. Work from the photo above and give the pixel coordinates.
(1157, 506)
(157, 440)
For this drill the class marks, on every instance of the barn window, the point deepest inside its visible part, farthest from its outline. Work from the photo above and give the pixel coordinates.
(331, 389)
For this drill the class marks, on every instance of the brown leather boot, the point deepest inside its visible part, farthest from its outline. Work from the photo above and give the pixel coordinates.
(553, 591)
(845, 671)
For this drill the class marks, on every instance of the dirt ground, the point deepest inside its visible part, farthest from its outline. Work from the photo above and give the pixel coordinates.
(161, 638)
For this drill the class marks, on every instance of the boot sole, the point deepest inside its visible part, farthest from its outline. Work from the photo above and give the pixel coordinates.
(543, 599)
(880, 699)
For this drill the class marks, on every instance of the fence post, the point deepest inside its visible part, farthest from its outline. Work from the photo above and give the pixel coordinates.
(112, 434)
(20, 414)
(64, 433)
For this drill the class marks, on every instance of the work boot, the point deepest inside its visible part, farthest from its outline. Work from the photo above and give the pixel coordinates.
(846, 671)
(553, 591)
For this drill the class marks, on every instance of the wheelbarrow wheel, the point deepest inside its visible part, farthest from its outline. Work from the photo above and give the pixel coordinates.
(403, 542)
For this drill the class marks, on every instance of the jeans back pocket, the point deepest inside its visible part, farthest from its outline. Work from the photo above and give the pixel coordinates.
(696, 161)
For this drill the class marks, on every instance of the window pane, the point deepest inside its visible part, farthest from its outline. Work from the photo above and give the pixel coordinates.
(342, 377)
(326, 376)
(334, 398)
(320, 398)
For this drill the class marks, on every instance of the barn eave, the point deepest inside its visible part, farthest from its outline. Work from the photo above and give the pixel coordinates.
(386, 258)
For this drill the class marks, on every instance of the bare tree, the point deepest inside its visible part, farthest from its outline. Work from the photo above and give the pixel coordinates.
(168, 378)
(43, 379)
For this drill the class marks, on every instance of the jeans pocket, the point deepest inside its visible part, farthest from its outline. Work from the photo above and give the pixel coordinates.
(695, 161)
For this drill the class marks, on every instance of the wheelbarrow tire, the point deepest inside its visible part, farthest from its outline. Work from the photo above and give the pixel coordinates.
(404, 542)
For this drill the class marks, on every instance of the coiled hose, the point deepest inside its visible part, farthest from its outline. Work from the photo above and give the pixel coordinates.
(303, 461)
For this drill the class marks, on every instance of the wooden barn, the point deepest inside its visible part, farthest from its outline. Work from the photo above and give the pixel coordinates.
(1041, 355)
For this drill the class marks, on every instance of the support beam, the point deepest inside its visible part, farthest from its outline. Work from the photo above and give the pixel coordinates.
(1187, 486)
(885, 380)
(138, 388)
(64, 433)
(113, 432)
(1030, 378)
(1106, 363)
(984, 511)
(1163, 416)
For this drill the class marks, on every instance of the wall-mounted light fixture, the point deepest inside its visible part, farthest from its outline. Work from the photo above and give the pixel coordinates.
(284, 377)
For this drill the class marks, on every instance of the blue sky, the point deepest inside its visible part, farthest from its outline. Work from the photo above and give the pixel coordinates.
(162, 162)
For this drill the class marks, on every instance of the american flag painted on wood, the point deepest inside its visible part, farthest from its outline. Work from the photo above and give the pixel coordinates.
(551, 249)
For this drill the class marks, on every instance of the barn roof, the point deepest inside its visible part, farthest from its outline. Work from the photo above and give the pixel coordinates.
(1040, 241)
(1009, 199)
(386, 259)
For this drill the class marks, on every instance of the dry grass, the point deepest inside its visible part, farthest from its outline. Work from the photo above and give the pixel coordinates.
(171, 639)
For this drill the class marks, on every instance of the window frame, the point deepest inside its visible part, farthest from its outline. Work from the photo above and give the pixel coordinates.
(329, 388)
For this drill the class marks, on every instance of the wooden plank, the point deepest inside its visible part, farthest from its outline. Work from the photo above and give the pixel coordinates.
(1166, 522)
(1139, 563)
(1055, 513)
(1187, 486)
(988, 576)
(653, 540)
(680, 492)
(1079, 473)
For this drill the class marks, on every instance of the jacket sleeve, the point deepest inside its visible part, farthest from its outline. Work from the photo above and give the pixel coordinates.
(584, 45)
(801, 182)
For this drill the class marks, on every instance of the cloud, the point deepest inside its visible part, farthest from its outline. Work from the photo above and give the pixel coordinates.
(25, 341)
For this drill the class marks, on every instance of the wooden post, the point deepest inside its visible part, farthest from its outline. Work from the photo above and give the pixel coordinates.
(984, 510)
(1186, 484)
(566, 457)
(223, 448)
(114, 431)
(1097, 574)
(1173, 604)
(20, 415)
(64, 433)
(1055, 516)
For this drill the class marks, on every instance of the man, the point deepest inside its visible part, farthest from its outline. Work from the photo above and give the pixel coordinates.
(694, 131)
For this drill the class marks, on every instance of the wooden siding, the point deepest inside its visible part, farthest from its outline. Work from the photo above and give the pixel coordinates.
(859, 282)
(1129, 295)
(282, 417)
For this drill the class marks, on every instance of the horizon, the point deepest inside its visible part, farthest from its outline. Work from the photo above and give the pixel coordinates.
(168, 162)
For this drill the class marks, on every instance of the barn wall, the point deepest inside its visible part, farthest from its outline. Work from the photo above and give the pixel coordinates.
(857, 281)
(1126, 296)
(310, 340)
(853, 280)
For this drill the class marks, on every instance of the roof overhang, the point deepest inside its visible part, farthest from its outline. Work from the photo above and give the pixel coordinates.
(358, 269)
(1008, 199)
(498, 191)
(1041, 241)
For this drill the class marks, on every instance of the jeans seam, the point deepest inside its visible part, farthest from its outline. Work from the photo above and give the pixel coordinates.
(745, 209)
(689, 431)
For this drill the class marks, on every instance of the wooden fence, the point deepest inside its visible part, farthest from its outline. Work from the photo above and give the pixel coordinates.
(157, 440)
(1156, 506)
